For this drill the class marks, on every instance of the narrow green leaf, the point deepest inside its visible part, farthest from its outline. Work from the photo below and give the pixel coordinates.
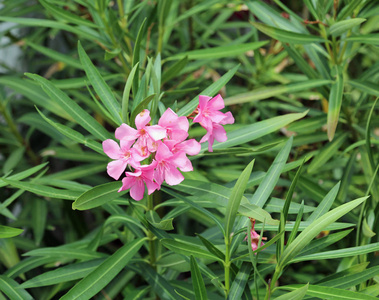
(325, 204)
(72, 108)
(12, 289)
(240, 281)
(268, 184)
(334, 103)
(63, 274)
(297, 294)
(296, 225)
(326, 292)
(315, 228)
(256, 212)
(100, 86)
(219, 52)
(326, 153)
(372, 39)
(346, 252)
(39, 218)
(197, 281)
(94, 282)
(188, 249)
(342, 26)
(43, 190)
(153, 218)
(287, 36)
(174, 70)
(126, 94)
(209, 91)
(73, 134)
(98, 195)
(347, 10)
(64, 252)
(66, 16)
(136, 56)
(212, 248)
(235, 199)
(13, 159)
(7, 232)
(365, 86)
(140, 107)
(254, 131)
(271, 91)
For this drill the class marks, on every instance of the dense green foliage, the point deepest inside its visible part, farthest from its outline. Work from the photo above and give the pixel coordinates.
(301, 79)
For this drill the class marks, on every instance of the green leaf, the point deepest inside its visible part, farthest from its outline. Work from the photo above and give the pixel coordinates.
(43, 190)
(365, 86)
(65, 252)
(13, 159)
(254, 131)
(98, 195)
(154, 219)
(212, 248)
(326, 153)
(209, 91)
(197, 281)
(256, 212)
(325, 204)
(188, 249)
(94, 282)
(136, 56)
(100, 86)
(219, 52)
(63, 274)
(271, 91)
(72, 108)
(268, 184)
(39, 218)
(314, 229)
(372, 39)
(297, 294)
(68, 60)
(12, 289)
(326, 292)
(7, 232)
(158, 283)
(174, 70)
(66, 16)
(235, 199)
(240, 281)
(73, 134)
(126, 94)
(286, 36)
(334, 103)
(140, 107)
(346, 252)
(342, 26)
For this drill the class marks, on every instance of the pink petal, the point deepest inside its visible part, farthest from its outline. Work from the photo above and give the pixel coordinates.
(137, 190)
(179, 160)
(111, 148)
(173, 176)
(229, 119)
(178, 135)
(125, 132)
(183, 123)
(142, 119)
(163, 153)
(203, 101)
(191, 147)
(151, 186)
(126, 144)
(116, 168)
(156, 132)
(168, 119)
(127, 183)
(205, 137)
(159, 175)
(210, 143)
(219, 133)
(217, 116)
(216, 103)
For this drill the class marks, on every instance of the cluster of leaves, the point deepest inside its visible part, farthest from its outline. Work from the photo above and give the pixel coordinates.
(301, 81)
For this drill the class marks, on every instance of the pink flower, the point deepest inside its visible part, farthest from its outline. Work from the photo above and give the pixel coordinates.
(211, 119)
(254, 236)
(147, 135)
(176, 127)
(167, 164)
(189, 147)
(123, 156)
(135, 181)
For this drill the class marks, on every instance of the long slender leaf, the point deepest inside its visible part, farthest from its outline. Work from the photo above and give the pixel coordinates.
(12, 289)
(197, 281)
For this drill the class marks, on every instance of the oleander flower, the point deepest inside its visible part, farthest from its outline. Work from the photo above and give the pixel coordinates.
(254, 237)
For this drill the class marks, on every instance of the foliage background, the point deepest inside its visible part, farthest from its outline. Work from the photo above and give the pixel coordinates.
(274, 62)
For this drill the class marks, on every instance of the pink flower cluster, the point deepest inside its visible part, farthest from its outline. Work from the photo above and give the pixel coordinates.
(163, 146)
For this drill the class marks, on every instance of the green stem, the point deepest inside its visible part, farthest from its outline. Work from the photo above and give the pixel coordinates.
(150, 235)
(227, 266)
